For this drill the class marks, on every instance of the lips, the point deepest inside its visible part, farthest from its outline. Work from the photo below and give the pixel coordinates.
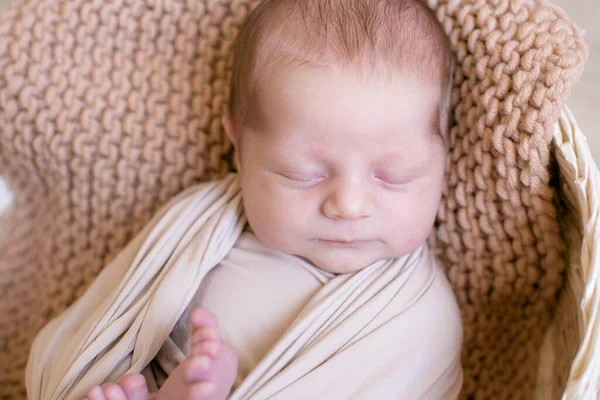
(342, 242)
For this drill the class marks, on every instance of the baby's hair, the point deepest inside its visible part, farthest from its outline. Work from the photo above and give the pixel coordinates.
(362, 36)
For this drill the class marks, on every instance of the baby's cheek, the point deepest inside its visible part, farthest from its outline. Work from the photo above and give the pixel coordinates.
(273, 221)
(411, 227)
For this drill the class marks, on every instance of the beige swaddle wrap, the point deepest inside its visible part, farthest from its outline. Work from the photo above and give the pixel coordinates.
(367, 317)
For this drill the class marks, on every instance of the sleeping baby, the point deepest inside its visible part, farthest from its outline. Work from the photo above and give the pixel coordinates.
(339, 114)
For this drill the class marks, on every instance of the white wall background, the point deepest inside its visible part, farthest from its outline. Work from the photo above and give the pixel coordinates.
(584, 101)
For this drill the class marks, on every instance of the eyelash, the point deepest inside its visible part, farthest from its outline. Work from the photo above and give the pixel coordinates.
(390, 183)
(301, 180)
(315, 180)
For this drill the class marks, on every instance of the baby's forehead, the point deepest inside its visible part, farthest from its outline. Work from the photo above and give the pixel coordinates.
(308, 92)
(326, 106)
(361, 37)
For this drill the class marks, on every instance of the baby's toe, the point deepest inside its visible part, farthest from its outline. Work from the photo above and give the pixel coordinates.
(134, 386)
(202, 334)
(202, 318)
(95, 393)
(112, 391)
(201, 390)
(205, 347)
(196, 369)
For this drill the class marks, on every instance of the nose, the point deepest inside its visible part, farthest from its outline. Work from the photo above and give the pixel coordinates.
(349, 201)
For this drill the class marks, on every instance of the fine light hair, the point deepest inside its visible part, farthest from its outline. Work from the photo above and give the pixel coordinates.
(383, 37)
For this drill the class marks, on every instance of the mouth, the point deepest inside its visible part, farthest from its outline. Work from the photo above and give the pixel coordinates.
(342, 242)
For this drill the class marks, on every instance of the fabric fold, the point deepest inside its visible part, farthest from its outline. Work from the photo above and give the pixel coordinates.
(124, 317)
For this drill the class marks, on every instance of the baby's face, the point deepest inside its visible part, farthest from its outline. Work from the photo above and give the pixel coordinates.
(343, 171)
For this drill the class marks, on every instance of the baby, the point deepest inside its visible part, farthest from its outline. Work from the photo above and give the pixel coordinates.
(339, 117)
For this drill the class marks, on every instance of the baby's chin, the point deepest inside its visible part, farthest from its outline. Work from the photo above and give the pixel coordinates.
(341, 264)
(330, 258)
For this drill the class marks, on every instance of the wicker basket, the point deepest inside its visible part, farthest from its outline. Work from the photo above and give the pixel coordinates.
(569, 367)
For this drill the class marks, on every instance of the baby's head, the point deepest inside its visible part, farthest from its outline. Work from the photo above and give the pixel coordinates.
(339, 116)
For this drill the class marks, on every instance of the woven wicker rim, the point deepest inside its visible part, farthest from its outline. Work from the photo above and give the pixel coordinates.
(581, 177)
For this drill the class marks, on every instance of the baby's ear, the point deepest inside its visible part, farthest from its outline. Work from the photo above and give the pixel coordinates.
(229, 126)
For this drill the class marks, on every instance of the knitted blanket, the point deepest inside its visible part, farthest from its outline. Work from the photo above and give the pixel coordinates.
(110, 108)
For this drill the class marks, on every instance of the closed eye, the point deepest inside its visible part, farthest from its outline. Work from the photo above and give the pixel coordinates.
(302, 179)
(393, 182)
(298, 178)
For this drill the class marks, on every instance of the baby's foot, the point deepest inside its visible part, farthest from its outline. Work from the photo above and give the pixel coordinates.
(129, 387)
(210, 368)
(206, 374)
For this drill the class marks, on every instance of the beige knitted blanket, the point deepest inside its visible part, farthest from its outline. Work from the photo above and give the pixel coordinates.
(110, 108)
